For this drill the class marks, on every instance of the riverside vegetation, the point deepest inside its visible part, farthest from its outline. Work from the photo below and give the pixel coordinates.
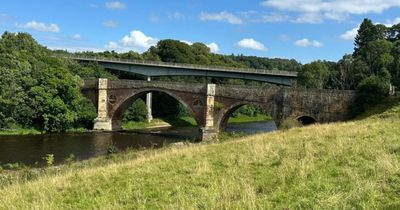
(332, 166)
(344, 165)
(41, 93)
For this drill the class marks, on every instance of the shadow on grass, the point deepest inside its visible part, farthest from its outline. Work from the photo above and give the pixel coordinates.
(180, 122)
(382, 107)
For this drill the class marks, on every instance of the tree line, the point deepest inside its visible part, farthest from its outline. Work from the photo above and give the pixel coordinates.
(42, 91)
(370, 70)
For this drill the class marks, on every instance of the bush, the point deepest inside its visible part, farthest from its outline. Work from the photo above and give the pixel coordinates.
(370, 92)
(137, 112)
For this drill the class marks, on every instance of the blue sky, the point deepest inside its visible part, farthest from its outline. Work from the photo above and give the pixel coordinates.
(305, 30)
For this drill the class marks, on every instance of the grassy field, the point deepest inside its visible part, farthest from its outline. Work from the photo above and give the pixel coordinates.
(350, 165)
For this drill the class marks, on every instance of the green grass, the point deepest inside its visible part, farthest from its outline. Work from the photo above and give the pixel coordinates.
(133, 125)
(349, 165)
(246, 119)
(19, 131)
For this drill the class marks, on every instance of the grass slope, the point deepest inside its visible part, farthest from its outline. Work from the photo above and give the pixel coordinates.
(333, 166)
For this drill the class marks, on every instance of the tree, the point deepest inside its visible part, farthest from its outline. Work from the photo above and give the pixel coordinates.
(369, 92)
(38, 90)
(313, 75)
(366, 33)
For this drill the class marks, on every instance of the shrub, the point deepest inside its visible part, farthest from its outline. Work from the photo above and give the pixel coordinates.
(137, 112)
(370, 92)
(49, 158)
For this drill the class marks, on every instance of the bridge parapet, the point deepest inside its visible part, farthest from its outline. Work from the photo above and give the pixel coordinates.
(181, 65)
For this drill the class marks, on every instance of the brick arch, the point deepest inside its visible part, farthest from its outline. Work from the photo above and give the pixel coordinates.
(307, 119)
(117, 110)
(225, 113)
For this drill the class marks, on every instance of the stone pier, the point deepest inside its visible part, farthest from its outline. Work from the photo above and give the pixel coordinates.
(149, 97)
(209, 131)
(103, 122)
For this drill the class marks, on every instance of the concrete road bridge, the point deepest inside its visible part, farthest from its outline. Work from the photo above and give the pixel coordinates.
(152, 69)
(211, 105)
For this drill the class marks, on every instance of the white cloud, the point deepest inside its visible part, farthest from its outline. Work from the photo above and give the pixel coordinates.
(175, 15)
(112, 45)
(312, 18)
(222, 17)
(390, 23)
(135, 40)
(186, 42)
(213, 47)
(251, 44)
(308, 43)
(350, 34)
(76, 36)
(274, 17)
(315, 11)
(110, 24)
(115, 5)
(37, 26)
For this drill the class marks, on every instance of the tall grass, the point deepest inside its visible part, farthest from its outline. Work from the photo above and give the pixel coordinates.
(351, 165)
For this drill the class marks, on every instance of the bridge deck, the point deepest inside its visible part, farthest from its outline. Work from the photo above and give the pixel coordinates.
(186, 66)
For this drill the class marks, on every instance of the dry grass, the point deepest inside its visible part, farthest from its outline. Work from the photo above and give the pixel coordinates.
(334, 166)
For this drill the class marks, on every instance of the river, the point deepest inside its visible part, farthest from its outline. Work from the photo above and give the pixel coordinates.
(30, 149)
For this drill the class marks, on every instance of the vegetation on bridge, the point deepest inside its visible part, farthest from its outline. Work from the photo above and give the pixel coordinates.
(351, 165)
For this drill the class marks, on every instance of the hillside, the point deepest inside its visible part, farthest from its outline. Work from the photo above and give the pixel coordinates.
(334, 166)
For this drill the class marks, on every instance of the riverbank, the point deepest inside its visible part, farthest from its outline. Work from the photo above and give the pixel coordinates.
(19, 131)
(332, 166)
(155, 123)
(187, 122)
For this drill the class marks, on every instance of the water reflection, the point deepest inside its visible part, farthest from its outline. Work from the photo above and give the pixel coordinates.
(30, 149)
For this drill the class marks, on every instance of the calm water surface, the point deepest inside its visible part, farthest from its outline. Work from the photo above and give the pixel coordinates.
(30, 149)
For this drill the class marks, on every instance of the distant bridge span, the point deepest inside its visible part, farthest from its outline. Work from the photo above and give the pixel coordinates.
(150, 69)
(211, 105)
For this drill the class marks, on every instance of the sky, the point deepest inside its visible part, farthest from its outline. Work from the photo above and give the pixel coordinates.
(305, 30)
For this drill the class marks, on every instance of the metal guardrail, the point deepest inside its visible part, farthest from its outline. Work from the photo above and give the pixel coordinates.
(180, 65)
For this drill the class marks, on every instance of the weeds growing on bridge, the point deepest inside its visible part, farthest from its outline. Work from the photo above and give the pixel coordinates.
(334, 166)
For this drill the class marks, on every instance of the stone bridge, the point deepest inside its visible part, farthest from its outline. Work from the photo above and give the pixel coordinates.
(211, 105)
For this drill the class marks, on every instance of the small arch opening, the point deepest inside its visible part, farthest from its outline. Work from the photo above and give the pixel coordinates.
(247, 119)
(306, 120)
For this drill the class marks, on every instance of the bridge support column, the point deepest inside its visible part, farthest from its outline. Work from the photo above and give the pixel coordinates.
(149, 97)
(102, 122)
(209, 131)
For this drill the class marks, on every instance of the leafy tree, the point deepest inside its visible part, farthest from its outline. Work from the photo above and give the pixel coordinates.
(313, 75)
(366, 33)
(38, 90)
(136, 112)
